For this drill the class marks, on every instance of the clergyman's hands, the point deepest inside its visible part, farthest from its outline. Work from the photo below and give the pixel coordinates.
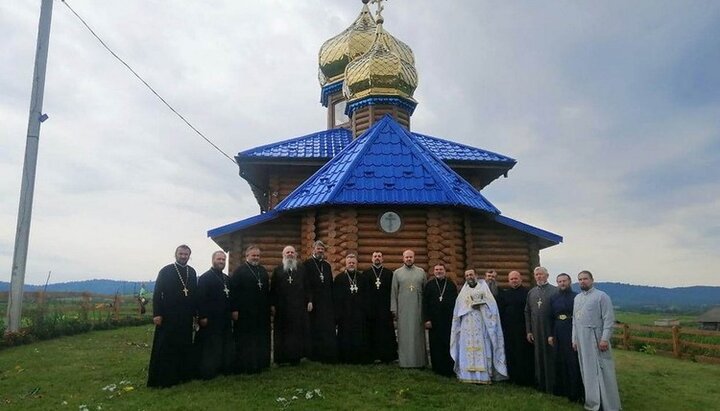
(235, 315)
(604, 345)
(574, 346)
(203, 322)
(428, 324)
(310, 307)
(530, 338)
(157, 320)
(551, 341)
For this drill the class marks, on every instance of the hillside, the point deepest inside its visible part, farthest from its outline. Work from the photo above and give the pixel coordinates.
(625, 296)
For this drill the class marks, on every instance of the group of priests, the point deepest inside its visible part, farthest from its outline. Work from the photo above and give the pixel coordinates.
(219, 324)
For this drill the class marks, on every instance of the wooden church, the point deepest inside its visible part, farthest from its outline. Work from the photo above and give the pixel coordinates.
(370, 183)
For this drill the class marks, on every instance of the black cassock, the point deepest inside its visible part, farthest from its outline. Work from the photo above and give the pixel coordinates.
(568, 382)
(349, 295)
(288, 294)
(323, 341)
(173, 357)
(519, 353)
(250, 294)
(438, 306)
(382, 344)
(214, 341)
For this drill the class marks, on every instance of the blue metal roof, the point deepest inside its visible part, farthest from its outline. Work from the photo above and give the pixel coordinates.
(451, 151)
(537, 232)
(326, 144)
(386, 165)
(239, 225)
(321, 145)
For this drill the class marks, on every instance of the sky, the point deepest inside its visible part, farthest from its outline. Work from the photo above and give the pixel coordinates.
(612, 110)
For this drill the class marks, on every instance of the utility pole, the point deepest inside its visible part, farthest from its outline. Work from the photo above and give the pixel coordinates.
(22, 236)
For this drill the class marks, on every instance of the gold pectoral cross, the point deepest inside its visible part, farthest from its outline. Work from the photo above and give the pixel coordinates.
(539, 303)
(377, 283)
(412, 287)
(289, 280)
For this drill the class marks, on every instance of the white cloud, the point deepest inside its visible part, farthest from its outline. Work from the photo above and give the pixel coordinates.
(593, 100)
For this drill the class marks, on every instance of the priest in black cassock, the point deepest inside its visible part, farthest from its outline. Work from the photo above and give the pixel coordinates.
(323, 341)
(537, 327)
(214, 339)
(519, 353)
(349, 294)
(290, 304)
(250, 295)
(568, 382)
(439, 298)
(172, 359)
(381, 341)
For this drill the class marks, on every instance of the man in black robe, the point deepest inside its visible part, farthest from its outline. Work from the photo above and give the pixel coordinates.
(214, 338)
(349, 294)
(323, 341)
(439, 297)
(381, 341)
(172, 359)
(568, 382)
(519, 353)
(250, 295)
(537, 327)
(290, 305)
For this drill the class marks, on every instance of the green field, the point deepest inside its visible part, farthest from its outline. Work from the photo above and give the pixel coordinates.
(686, 320)
(107, 369)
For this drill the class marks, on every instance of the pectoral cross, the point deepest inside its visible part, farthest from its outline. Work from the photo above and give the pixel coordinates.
(289, 279)
(226, 291)
(353, 288)
(260, 284)
(377, 283)
(539, 303)
(412, 287)
(185, 290)
(440, 298)
(322, 278)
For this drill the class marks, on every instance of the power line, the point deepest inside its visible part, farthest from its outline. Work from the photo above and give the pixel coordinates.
(148, 85)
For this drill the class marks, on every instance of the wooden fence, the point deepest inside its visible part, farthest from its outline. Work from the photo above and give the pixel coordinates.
(675, 341)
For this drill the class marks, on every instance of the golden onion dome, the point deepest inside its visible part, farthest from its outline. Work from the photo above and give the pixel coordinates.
(336, 53)
(387, 69)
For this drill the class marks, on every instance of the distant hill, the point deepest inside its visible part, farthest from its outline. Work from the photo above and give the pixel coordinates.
(628, 296)
(108, 287)
(624, 296)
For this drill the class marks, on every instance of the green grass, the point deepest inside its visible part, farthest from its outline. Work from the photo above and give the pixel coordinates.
(71, 371)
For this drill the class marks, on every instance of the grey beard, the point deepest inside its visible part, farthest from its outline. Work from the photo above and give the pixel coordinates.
(472, 283)
(289, 264)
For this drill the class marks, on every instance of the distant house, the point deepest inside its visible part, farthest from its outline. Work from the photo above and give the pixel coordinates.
(710, 320)
(667, 322)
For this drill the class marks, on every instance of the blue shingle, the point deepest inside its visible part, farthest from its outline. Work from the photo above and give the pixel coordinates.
(386, 165)
(326, 144)
(321, 145)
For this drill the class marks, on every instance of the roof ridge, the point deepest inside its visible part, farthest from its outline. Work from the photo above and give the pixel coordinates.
(424, 152)
(463, 145)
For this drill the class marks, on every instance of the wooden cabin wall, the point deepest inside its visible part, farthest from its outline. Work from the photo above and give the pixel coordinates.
(365, 117)
(497, 247)
(271, 237)
(283, 180)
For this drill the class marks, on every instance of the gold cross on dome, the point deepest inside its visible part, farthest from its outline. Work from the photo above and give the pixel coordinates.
(378, 13)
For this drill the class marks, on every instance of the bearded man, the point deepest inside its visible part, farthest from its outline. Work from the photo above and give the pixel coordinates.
(290, 305)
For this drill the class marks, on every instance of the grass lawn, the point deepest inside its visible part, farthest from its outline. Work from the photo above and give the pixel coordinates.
(72, 371)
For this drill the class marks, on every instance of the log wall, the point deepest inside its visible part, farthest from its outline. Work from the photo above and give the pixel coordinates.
(363, 118)
(497, 247)
(284, 180)
(271, 237)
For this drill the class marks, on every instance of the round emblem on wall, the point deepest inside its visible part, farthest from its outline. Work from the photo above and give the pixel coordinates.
(390, 222)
